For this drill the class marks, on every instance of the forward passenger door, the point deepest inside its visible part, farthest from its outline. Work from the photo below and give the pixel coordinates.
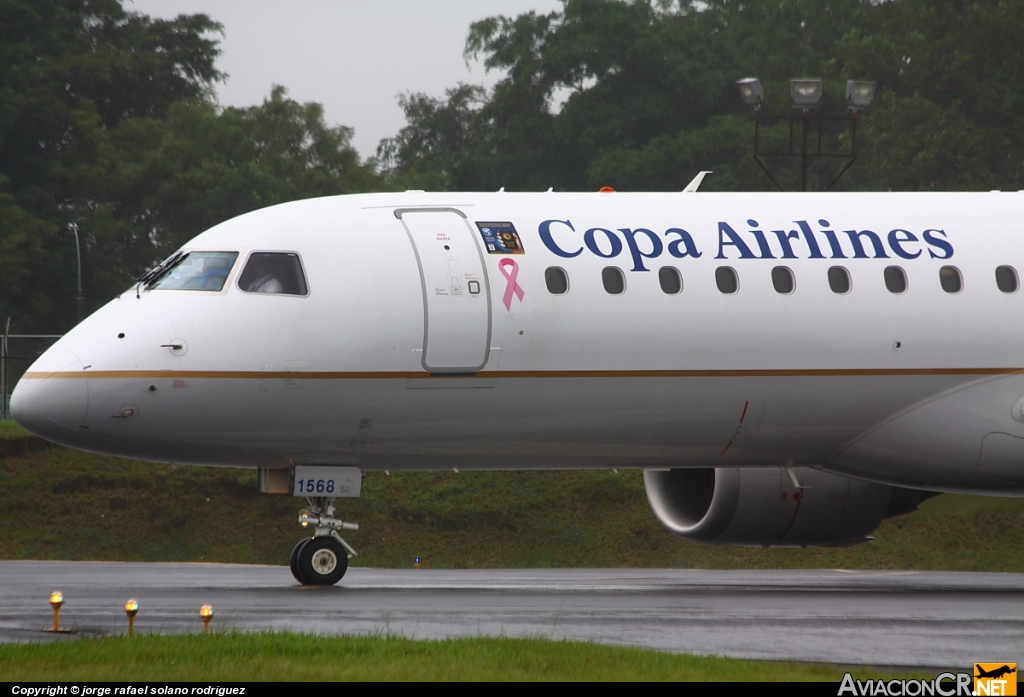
(456, 296)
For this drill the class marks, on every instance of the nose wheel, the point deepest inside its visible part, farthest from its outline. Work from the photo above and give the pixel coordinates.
(321, 560)
(293, 562)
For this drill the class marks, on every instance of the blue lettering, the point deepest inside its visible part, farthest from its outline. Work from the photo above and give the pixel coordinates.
(734, 241)
(638, 256)
(941, 244)
(685, 240)
(812, 243)
(858, 248)
(679, 243)
(896, 240)
(591, 242)
(784, 238)
(549, 242)
(762, 243)
(833, 241)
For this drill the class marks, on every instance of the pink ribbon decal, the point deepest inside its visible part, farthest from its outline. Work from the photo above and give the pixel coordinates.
(512, 287)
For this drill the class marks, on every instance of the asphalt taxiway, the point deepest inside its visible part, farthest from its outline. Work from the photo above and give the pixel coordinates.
(892, 618)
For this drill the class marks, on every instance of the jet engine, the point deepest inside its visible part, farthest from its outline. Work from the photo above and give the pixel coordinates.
(773, 506)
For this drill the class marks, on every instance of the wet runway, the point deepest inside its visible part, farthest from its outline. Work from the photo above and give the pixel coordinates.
(891, 618)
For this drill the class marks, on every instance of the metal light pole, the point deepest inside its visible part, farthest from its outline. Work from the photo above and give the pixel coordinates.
(804, 117)
(80, 297)
(3, 371)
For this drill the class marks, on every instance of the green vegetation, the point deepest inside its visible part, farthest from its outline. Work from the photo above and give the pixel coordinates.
(640, 95)
(267, 656)
(10, 430)
(108, 124)
(113, 509)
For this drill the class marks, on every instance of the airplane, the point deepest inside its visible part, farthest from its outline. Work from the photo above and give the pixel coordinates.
(994, 673)
(787, 369)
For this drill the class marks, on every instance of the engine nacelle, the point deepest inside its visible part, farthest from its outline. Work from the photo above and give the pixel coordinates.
(764, 507)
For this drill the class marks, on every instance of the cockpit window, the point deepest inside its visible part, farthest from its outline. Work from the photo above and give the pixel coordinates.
(273, 272)
(194, 271)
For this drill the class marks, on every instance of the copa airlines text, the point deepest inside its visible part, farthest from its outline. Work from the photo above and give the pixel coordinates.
(679, 243)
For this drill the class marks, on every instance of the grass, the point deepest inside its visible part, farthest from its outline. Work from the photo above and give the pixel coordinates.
(121, 510)
(10, 430)
(267, 656)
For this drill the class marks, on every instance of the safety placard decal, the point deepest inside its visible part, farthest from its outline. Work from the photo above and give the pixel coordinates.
(501, 238)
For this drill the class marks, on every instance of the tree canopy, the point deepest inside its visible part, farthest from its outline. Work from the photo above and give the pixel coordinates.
(640, 94)
(109, 127)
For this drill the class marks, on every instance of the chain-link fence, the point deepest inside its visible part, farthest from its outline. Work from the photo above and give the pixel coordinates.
(17, 351)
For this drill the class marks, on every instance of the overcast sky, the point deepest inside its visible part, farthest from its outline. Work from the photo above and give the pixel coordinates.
(352, 56)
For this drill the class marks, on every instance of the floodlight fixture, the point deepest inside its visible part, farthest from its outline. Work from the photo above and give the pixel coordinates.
(805, 93)
(750, 90)
(806, 125)
(859, 93)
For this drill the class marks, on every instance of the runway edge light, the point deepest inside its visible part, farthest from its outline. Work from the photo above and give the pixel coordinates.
(206, 612)
(56, 600)
(131, 608)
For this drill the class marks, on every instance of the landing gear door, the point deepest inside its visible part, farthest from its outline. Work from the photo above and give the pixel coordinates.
(456, 295)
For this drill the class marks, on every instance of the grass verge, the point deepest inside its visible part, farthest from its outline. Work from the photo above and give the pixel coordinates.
(246, 657)
(120, 510)
(10, 430)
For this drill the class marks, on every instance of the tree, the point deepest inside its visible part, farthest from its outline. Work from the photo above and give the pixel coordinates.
(107, 127)
(67, 69)
(149, 185)
(20, 242)
(57, 54)
(948, 115)
(640, 94)
(435, 150)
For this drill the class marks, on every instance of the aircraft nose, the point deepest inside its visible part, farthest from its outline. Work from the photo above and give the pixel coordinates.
(52, 398)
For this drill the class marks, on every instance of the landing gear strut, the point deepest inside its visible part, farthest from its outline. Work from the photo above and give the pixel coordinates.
(321, 560)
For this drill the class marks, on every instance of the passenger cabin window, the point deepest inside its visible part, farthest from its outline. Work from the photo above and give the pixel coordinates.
(556, 280)
(839, 280)
(273, 272)
(727, 280)
(895, 279)
(1006, 279)
(782, 279)
(194, 271)
(671, 281)
(950, 279)
(614, 281)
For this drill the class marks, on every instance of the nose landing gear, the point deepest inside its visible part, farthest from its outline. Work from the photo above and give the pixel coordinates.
(321, 560)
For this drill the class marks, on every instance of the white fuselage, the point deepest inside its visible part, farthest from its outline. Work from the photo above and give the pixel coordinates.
(417, 347)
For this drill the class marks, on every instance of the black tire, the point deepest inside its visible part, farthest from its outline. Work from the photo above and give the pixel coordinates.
(322, 561)
(293, 562)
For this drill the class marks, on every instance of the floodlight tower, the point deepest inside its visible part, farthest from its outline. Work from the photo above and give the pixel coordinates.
(805, 95)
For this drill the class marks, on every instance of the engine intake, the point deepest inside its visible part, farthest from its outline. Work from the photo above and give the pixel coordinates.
(764, 507)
